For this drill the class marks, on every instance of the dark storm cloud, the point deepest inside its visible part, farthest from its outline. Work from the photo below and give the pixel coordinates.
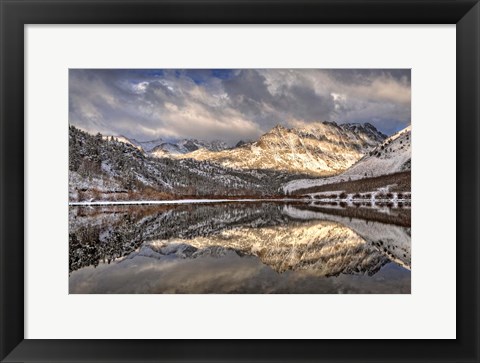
(233, 104)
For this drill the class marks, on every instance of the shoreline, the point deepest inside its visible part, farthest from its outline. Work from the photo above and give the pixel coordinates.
(182, 201)
(246, 200)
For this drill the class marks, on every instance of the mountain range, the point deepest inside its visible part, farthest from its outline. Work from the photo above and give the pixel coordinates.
(161, 147)
(281, 160)
(323, 148)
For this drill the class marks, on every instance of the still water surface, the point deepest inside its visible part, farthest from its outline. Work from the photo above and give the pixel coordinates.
(239, 248)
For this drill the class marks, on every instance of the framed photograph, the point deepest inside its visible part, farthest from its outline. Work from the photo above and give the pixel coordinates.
(240, 181)
(253, 207)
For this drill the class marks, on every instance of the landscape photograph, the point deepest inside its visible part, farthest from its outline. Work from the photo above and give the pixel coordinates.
(239, 181)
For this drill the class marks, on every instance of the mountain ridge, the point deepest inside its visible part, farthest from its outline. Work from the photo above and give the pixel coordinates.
(324, 148)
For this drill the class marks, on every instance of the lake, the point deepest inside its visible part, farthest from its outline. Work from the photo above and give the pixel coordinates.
(253, 248)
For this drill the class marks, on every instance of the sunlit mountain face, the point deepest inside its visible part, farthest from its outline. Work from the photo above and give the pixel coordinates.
(318, 148)
(231, 248)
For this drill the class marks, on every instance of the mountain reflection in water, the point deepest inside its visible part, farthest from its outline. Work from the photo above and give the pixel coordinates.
(239, 248)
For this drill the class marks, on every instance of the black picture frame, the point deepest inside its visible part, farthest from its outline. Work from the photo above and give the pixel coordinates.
(15, 14)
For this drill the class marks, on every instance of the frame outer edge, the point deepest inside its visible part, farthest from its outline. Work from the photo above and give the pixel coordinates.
(11, 179)
(3, 328)
(11, 325)
(468, 182)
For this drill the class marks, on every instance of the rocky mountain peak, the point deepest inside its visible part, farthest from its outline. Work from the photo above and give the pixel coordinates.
(323, 148)
(278, 128)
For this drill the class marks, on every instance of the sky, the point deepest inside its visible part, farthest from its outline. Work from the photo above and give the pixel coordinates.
(233, 105)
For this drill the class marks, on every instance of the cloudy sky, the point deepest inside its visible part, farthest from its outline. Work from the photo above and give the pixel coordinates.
(233, 105)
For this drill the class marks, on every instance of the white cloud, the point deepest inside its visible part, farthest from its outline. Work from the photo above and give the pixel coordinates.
(241, 104)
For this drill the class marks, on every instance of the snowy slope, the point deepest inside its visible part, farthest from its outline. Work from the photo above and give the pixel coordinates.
(391, 156)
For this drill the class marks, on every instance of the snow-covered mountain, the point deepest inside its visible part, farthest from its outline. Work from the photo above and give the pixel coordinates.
(391, 156)
(324, 148)
(163, 148)
(276, 161)
(185, 146)
(148, 146)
